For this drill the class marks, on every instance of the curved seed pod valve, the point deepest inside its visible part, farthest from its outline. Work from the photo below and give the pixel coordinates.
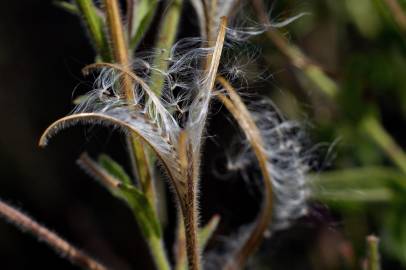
(178, 148)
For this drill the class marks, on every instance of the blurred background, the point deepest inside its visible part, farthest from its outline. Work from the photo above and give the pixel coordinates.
(341, 71)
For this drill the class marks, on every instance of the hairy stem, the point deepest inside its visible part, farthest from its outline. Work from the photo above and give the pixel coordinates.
(189, 161)
(205, 233)
(188, 201)
(191, 229)
(68, 251)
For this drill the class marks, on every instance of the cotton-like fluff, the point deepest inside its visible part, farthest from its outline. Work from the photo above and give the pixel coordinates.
(160, 121)
(287, 161)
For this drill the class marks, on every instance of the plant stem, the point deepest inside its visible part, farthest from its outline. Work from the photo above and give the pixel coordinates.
(188, 200)
(180, 245)
(189, 159)
(95, 27)
(191, 229)
(118, 41)
(68, 251)
(121, 56)
(373, 253)
(205, 233)
(166, 37)
(157, 249)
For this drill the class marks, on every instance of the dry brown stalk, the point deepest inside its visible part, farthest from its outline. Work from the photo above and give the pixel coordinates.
(121, 56)
(60, 245)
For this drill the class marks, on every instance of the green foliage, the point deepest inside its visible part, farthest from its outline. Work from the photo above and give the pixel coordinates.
(394, 232)
(115, 169)
(142, 209)
(95, 27)
(206, 232)
(378, 191)
(348, 73)
(69, 7)
(143, 13)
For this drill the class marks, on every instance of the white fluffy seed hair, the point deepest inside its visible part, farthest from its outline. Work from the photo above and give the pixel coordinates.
(157, 119)
(288, 161)
(163, 117)
(285, 142)
(243, 27)
(184, 103)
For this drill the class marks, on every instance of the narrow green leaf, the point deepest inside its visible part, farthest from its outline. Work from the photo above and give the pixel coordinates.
(142, 209)
(137, 201)
(67, 6)
(78, 100)
(394, 233)
(208, 230)
(367, 195)
(113, 168)
(360, 187)
(366, 177)
(143, 14)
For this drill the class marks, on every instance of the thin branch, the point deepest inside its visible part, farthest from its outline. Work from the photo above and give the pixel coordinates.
(190, 161)
(62, 247)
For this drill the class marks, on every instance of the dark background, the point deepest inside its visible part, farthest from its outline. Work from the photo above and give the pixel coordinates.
(42, 50)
